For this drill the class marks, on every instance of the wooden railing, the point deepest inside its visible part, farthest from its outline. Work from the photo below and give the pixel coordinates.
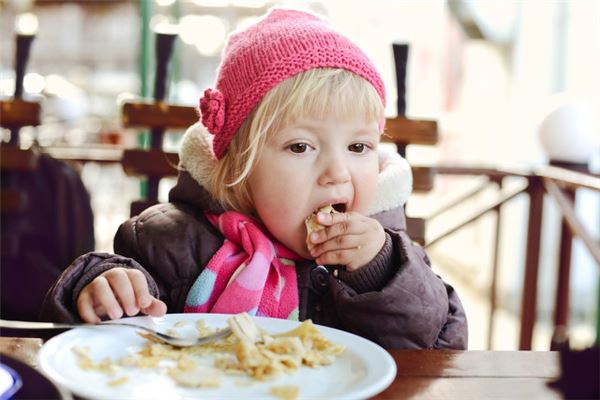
(561, 184)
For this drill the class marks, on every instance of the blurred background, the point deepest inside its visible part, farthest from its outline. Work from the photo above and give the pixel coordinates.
(512, 85)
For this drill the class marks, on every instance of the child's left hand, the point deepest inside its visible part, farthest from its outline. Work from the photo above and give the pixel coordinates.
(349, 239)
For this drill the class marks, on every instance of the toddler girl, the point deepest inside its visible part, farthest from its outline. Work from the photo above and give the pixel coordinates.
(293, 124)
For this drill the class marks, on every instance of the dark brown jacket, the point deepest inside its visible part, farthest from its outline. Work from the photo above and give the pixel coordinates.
(396, 300)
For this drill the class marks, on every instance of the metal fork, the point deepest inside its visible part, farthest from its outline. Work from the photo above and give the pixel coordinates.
(153, 334)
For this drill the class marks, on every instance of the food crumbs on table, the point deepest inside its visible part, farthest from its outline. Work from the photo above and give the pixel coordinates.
(285, 392)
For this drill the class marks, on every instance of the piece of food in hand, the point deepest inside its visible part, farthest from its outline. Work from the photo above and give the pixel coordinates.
(311, 221)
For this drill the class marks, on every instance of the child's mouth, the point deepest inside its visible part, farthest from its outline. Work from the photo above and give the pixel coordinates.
(339, 207)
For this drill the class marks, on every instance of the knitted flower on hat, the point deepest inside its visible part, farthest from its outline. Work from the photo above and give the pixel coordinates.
(281, 45)
(212, 107)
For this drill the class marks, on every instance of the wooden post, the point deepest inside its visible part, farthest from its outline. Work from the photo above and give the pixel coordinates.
(532, 258)
(561, 307)
(23, 45)
(401, 63)
(496, 255)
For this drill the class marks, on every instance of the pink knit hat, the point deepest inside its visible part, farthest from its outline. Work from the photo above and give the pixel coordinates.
(281, 45)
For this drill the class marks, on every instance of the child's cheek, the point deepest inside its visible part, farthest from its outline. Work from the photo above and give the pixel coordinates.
(365, 194)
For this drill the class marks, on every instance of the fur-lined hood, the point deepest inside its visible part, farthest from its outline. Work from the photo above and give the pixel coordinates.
(393, 187)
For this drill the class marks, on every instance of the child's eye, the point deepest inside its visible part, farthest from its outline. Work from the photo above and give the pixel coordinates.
(298, 147)
(357, 147)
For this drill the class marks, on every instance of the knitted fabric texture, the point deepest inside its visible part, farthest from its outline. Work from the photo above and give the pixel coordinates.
(250, 273)
(281, 45)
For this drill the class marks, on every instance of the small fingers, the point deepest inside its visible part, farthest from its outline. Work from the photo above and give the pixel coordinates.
(122, 287)
(103, 295)
(329, 219)
(341, 242)
(337, 257)
(86, 309)
(156, 308)
(147, 304)
(343, 224)
(140, 288)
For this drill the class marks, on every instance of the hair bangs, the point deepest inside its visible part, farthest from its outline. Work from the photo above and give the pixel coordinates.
(325, 92)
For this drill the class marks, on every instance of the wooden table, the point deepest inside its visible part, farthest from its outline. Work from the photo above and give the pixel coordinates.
(433, 374)
(446, 374)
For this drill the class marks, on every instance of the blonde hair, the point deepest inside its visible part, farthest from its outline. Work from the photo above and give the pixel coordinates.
(315, 93)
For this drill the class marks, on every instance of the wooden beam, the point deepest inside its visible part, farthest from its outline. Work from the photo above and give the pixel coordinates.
(14, 159)
(532, 259)
(403, 131)
(157, 115)
(423, 178)
(570, 179)
(477, 213)
(150, 163)
(17, 113)
(567, 210)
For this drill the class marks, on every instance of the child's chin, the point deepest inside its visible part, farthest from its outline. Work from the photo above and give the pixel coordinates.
(303, 252)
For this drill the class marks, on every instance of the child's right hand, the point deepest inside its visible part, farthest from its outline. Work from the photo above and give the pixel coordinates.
(116, 291)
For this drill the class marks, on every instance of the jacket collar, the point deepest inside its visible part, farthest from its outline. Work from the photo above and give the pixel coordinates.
(394, 183)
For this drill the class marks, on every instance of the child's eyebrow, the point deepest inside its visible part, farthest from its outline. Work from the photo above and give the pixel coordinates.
(295, 129)
(367, 131)
(304, 126)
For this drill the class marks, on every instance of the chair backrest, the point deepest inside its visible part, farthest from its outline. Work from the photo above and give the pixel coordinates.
(404, 131)
(154, 164)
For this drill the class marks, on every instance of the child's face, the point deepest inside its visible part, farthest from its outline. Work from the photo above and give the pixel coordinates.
(309, 164)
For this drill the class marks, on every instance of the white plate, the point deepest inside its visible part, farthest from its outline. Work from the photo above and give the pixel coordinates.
(363, 370)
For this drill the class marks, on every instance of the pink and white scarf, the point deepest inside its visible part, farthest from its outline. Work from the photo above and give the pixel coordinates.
(251, 272)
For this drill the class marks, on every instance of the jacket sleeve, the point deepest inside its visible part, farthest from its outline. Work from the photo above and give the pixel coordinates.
(173, 243)
(60, 301)
(398, 302)
(164, 242)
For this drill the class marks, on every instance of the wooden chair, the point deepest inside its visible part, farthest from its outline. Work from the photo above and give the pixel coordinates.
(154, 164)
(403, 132)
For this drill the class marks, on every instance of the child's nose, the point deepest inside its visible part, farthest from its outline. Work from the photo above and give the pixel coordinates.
(336, 171)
